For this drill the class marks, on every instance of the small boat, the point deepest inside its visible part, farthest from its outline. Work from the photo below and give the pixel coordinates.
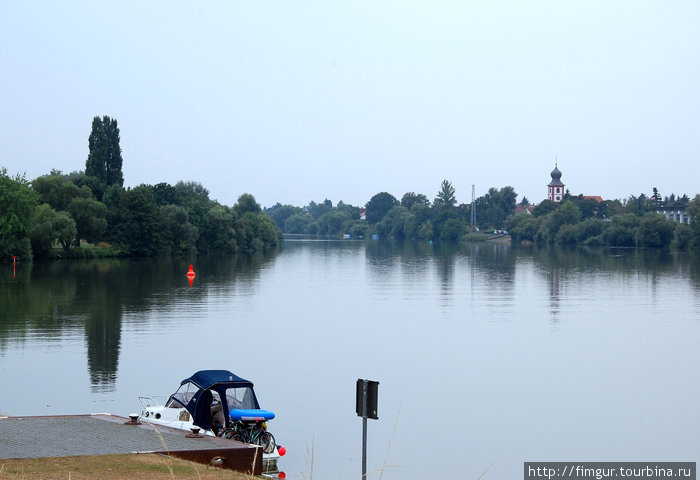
(201, 402)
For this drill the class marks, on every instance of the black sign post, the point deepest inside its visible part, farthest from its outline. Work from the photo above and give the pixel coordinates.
(366, 407)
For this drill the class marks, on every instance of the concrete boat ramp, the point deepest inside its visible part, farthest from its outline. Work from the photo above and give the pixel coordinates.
(105, 434)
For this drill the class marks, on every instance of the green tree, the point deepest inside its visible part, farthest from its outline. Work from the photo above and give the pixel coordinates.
(141, 224)
(65, 229)
(446, 196)
(221, 231)
(195, 198)
(42, 233)
(523, 227)
(426, 231)
(297, 223)
(58, 192)
(359, 229)
(181, 234)
(17, 203)
(280, 213)
(266, 236)
(105, 155)
(90, 218)
(80, 180)
(246, 203)
(165, 194)
(566, 214)
(453, 230)
(682, 237)
(622, 231)
(493, 208)
(409, 199)
(655, 231)
(378, 206)
(352, 211)
(334, 222)
(317, 210)
(544, 207)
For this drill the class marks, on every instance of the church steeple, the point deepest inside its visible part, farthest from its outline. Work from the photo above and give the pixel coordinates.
(555, 191)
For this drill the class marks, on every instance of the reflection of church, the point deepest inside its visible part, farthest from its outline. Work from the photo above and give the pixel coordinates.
(556, 188)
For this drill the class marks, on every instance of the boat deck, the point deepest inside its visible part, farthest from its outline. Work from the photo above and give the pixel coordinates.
(105, 434)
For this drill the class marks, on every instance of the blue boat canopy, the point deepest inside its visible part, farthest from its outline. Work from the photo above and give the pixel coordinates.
(207, 378)
(209, 392)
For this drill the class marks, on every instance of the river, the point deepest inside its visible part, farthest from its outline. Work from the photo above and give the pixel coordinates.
(486, 356)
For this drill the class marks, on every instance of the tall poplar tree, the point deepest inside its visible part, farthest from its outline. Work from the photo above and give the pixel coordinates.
(105, 158)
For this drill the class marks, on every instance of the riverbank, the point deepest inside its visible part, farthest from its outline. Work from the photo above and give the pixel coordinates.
(149, 466)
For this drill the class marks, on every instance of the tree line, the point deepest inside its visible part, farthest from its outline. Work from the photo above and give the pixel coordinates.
(81, 210)
(90, 213)
(577, 220)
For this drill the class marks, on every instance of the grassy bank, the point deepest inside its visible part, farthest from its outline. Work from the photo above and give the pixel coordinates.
(113, 467)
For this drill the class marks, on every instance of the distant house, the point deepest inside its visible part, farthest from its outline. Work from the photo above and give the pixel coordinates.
(524, 208)
(677, 214)
(597, 198)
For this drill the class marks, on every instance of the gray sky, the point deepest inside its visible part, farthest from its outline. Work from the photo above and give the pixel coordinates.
(300, 101)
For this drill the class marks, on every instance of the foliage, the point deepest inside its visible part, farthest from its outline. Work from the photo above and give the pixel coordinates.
(41, 232)
(655, 231)
(140, 223)
(181, 234)
(297, 223)
(453, 230)
(90, 218)
(446, 196)
(58, 192)
(218, 231)
(523, 227)
(280, 213)
(378, 206)
(410, 199)
(334, 222)
(544, 207)
(105, 157)
(493, 208)
(246, 203)
(65, 230)
(317, 210)
(17, 203)
(565, 214)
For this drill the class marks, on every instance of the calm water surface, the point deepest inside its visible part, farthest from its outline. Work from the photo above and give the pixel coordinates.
(487, 357)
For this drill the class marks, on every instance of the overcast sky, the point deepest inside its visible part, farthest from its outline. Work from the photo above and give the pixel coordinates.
(308, 100)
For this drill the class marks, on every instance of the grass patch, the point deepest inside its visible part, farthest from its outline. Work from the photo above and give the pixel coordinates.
(112, 467)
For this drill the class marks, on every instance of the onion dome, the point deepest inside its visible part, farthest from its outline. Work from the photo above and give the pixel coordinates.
(556, 178)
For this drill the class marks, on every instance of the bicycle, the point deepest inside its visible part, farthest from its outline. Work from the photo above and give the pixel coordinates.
(253, 432)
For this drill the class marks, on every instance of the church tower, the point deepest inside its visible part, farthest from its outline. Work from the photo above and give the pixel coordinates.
(556, 188)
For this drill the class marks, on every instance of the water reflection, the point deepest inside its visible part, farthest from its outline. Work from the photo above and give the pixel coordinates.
(51, 301)
(540, 352)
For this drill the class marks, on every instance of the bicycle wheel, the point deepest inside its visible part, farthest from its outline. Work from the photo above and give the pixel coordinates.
(267, 442)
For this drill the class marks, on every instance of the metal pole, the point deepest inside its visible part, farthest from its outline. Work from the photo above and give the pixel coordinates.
(364, 429)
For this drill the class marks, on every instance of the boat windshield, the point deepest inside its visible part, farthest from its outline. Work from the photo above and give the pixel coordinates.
(241, 398)
(183, 395)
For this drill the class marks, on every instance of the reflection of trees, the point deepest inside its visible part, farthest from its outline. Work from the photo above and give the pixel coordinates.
(576, 266)
(59, 298)
(490, 263)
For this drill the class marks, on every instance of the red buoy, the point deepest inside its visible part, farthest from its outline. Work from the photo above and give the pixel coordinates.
(191, 272)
